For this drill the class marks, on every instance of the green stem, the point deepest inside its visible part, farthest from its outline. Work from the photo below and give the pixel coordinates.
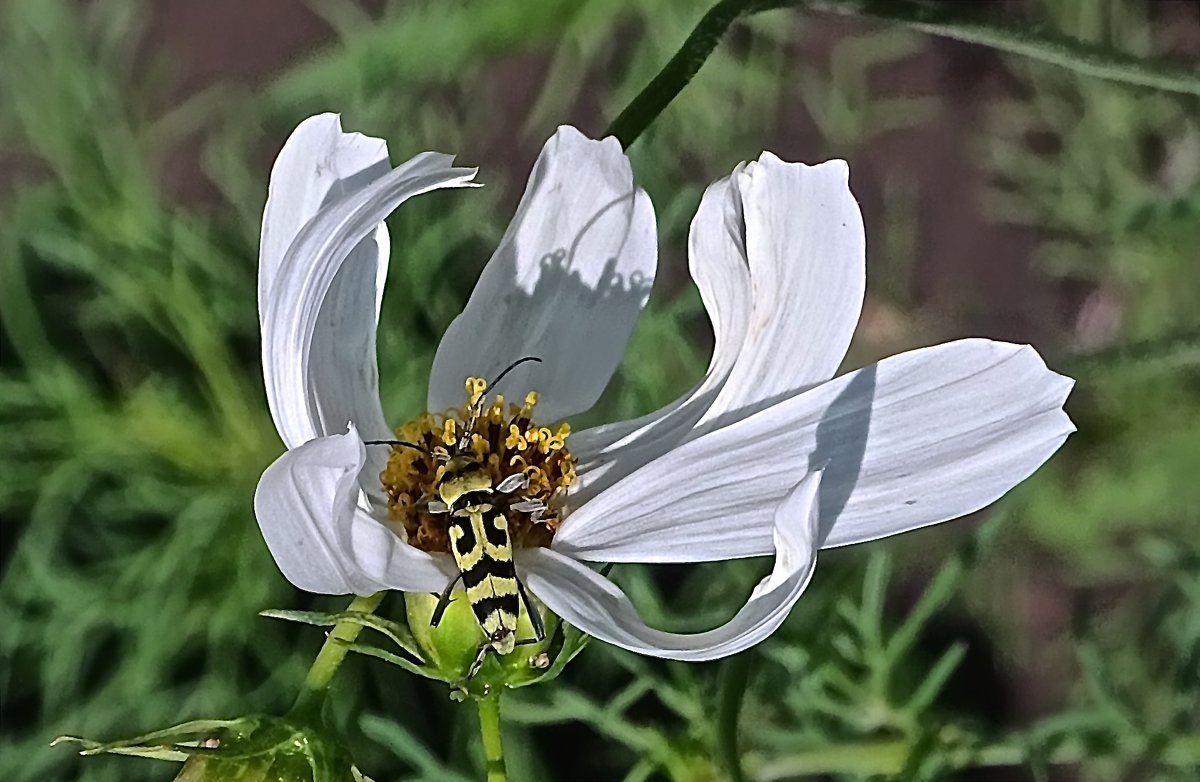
(671, 80)
(960, 22)
(489, 729)
(875, 757)
(732, 682)
(891, 757)
(950, 20)
(333, 651)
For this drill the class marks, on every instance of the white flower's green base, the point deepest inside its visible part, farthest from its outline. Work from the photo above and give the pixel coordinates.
(445, 653)
(451, 648)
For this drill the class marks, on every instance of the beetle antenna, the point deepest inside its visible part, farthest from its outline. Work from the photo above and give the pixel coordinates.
(477, 408)
(403, 443)
(510, 368)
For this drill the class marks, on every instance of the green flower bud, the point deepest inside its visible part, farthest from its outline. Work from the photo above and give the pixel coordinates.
(451, 649)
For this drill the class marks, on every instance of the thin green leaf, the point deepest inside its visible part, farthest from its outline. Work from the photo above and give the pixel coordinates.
(937, 677)
(398, 633)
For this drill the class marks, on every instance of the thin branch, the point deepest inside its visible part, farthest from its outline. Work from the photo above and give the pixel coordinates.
(958, 21)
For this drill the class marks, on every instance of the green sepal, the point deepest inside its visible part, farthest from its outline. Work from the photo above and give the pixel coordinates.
(396, 632)
(446, 653)
(382, 654)
(566, 642)
(570, 642)
(254, 748)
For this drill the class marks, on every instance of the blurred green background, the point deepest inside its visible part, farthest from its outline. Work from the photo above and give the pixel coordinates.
(1054, 636)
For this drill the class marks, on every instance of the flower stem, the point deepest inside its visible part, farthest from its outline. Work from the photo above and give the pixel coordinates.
(950, 20)
(333, 651)
(732, 683)
(676, 74)
(489, 729)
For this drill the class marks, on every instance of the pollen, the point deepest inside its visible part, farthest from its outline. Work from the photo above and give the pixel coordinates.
(507, 440)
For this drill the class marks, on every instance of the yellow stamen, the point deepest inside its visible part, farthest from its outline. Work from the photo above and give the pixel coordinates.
(506, 440)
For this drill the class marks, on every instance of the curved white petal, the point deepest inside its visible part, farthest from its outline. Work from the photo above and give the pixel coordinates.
(799, 231)
(318, 163)
(807, 252)
(306, 505)
(318, 317)
(566, 284)
(717, 260)
(598, 607)
(916, 439)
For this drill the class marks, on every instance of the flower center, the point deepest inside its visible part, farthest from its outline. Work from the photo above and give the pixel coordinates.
(505, 440)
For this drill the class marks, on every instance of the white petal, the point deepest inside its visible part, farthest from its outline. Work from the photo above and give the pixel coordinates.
(786, 321)
(566, 284)
(306, 505)
(599, 608)
(807, 252)
(916, 439)
(318, 318)
(717, 261)
(318, 163)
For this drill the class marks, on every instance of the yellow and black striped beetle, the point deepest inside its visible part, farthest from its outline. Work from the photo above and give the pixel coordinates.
(479, 538)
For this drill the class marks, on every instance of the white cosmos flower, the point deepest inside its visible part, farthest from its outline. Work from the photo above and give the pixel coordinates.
(768, 455)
